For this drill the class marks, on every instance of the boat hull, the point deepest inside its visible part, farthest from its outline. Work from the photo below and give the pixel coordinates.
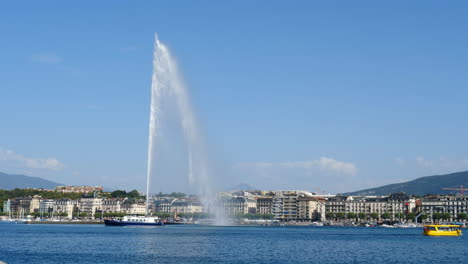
(442, 230)
(442, 233)
(130, 223)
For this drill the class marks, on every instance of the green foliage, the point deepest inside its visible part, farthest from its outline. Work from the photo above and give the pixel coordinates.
(374, 216)
(173, 194)
(423, 217)
(351, 216)
(11, 194)
(410, 216)
(340, 215)
(362, 216)
(330, 215)
(446, 216)
(462, 216)
(436, 216)
(400, 215)
(123, 194)
(82, 215)
(385, 216)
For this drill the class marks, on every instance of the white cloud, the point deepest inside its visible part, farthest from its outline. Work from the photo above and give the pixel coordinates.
(46, 58)
(442, 164)
(14, 159)
(323, 164)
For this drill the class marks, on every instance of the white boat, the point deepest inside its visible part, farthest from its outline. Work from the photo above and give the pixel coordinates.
(135, 220)
(316, 224)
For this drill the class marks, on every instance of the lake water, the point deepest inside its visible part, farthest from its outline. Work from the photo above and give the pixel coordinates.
(204, 244)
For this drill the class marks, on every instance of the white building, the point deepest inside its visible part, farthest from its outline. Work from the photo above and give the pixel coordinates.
(65, 206)
(90, 206)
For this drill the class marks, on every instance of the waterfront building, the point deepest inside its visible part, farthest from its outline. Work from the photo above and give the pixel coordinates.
(185, 205)
(240, 205)
(134, 206)
(264, 205)
(7, 206)
(395, 205)
(113, 205)
(453, 205)
(20, 206)
(163, 205)
(310, 208)
(90, 205)
(336, 204)
(78, 189)
(46, 206)
(34, 205)
(66, 206)
(285, 206)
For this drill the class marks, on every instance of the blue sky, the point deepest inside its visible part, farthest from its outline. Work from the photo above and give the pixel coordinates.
(328, 95)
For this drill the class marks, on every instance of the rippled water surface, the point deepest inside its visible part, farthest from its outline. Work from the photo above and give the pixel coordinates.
(197, 244)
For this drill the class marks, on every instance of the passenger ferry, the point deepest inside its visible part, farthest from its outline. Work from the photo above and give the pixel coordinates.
(442, 230)
(134, 220)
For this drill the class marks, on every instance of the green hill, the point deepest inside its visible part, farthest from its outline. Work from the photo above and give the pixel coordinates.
(12, 181)
(421, 186)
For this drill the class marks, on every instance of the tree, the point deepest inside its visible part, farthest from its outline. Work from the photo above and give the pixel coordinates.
(63, 214)
(362, 216)
(400, 215)
(374, 216)
(436, 216)
(82, 215)
(330, 215)
(133, 194)
(446, 216)
(351, 216)
(385, 216)
(340, 215)
(462, 216)
(118, 194)
(410, 216)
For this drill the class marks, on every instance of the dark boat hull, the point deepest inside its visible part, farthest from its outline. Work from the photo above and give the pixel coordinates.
(128, 223)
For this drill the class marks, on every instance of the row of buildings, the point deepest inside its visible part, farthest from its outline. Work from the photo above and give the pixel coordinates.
(87, 206)
(292, 205)
(305, 206)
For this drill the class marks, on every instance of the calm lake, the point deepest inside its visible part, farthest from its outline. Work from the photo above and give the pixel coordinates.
(204, 244)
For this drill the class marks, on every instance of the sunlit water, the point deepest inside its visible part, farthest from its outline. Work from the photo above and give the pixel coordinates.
(211, 244)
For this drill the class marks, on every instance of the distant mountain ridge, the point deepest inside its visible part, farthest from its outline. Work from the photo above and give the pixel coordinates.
(420, 186)
(12, 181)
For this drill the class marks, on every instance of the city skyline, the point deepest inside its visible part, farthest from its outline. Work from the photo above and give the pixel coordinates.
(339, 98)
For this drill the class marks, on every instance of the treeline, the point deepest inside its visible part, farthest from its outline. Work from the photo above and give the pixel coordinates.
(172, 194)
(124, 194)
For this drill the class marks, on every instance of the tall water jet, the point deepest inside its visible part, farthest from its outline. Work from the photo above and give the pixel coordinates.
(167, 82)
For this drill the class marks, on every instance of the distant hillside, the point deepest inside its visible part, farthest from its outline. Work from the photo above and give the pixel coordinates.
(12, 181)
(421, 186)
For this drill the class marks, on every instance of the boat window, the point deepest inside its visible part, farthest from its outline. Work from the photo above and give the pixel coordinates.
(431, 228)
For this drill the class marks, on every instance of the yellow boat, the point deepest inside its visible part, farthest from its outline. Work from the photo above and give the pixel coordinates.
(442, 230)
